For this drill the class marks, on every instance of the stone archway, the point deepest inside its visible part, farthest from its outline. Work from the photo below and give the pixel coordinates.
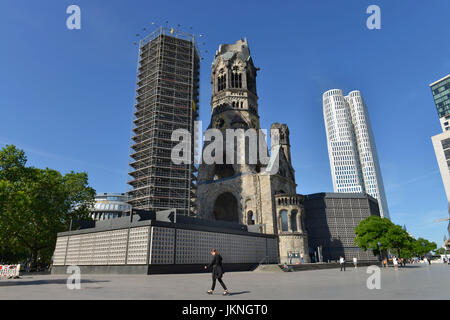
(226, 208)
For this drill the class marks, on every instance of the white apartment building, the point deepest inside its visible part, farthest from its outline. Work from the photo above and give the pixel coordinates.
(351, 147)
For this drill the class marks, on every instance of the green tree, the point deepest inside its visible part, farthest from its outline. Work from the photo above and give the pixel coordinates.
(398, 241)
(380, 235)
(423, 247)
(36, 204)
(370, 234)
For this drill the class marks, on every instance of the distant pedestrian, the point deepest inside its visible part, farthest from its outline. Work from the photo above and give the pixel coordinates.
(395, 261)
(355, 262)
(301, 258)
(217, 271)
(342, 262)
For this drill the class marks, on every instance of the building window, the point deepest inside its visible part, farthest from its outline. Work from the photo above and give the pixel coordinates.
(250, 218)
(284, 220)
(236, 80)
(294, 226)
(221, 82)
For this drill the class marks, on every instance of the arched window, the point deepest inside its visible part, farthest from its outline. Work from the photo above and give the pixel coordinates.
(294, 226)
(284, 220)
(226, 208)
(221, 82)
(236, 80)
(250, 218)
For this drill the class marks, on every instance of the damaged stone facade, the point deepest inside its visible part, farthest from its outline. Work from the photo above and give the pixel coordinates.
(245, 193)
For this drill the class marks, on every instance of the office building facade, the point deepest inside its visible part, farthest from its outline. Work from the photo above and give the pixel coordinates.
(351, 147)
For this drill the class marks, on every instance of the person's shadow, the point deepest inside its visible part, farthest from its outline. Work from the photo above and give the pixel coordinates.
(237, 293)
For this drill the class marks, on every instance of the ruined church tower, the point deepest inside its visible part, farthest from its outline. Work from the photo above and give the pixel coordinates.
(245, 192)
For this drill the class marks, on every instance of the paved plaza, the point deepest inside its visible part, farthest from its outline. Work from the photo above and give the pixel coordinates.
(412, 282)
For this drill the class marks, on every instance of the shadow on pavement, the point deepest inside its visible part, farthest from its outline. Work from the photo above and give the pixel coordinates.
(42, 282)
(237, 293)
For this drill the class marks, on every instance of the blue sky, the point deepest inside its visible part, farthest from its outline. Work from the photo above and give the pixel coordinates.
(66, 97)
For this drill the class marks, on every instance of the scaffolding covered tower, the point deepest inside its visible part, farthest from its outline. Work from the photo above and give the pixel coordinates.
(167, 94)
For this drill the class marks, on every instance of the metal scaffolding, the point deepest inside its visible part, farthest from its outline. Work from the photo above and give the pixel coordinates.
(167, 89)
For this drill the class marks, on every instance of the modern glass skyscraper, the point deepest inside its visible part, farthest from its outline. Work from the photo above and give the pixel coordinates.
(351, 147)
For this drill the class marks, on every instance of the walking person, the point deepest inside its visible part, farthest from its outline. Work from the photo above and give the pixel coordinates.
(342, 262)
(395, 261)
(217, 272)
(355, 262)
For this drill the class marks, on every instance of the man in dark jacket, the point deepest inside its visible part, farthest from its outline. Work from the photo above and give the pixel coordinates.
(217, 271)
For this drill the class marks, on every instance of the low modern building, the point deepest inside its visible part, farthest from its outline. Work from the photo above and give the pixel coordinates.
(110, 206)
(331, 219)
(147, 242)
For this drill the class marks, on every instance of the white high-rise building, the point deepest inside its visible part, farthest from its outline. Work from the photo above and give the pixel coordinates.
(441, 142)
(351, 147)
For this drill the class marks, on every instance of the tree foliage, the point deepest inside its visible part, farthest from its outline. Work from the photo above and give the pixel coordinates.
(370, 234)
(380, 235)
(36, 204)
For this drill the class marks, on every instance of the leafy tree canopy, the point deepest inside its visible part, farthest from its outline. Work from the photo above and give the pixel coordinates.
(380, 235)
(36, 204)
